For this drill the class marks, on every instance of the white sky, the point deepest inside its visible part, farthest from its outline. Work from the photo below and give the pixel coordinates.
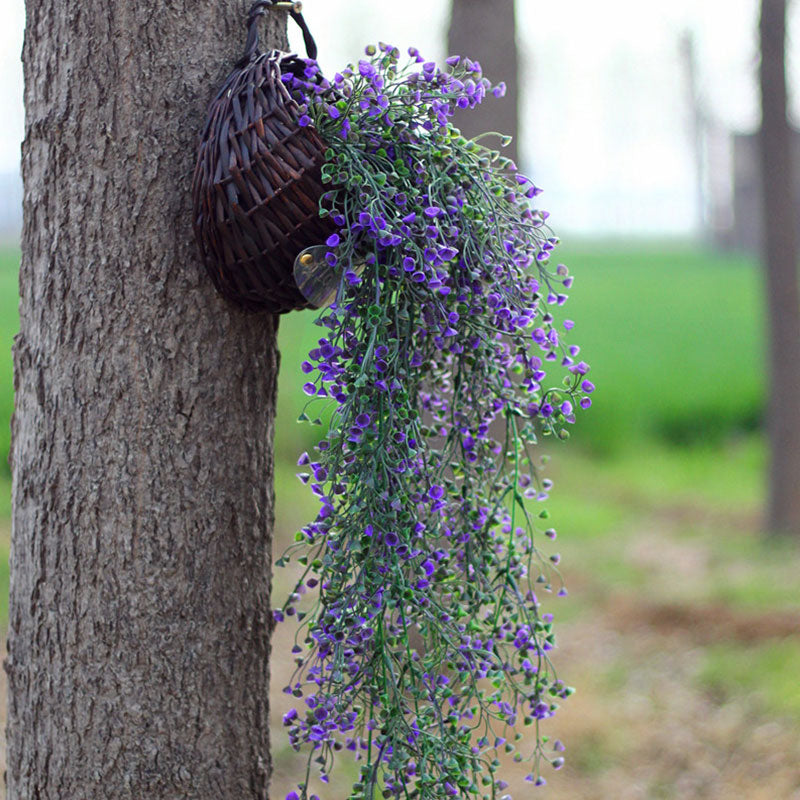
(605, 123)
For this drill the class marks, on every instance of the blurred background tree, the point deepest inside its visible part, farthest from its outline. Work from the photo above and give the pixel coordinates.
(780, 256)
(486, 30)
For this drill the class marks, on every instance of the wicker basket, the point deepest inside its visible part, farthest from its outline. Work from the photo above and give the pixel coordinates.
(257, 181)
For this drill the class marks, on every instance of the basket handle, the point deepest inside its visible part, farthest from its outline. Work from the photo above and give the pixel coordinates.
(257, 10)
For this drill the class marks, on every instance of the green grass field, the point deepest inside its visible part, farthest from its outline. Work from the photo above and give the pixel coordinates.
(673, 334)
(674, 337)
(678, 626)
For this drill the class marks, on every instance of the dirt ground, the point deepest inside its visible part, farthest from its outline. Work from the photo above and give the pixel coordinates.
(643, 724)
(639, 726)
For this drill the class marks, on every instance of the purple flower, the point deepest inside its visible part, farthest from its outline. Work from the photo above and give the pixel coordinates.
(448, 331)
(289, 716)
(303, 122)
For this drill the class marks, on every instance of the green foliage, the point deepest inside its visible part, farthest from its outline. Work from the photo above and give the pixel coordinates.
(768, 672)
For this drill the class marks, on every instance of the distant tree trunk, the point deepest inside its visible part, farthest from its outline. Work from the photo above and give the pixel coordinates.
(485, 30)
(698, 123)
(780, 256)
(142, 435)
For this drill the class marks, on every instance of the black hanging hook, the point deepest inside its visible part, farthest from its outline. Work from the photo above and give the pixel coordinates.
(258, 9)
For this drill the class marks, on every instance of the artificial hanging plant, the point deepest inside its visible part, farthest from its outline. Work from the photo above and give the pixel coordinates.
(422, 647)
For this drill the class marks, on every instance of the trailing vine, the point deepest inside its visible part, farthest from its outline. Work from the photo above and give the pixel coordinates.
(421, 646)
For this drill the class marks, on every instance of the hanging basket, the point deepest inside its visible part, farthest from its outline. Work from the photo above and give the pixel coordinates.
(257, 181)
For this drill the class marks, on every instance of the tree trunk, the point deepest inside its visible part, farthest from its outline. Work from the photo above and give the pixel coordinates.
(485, 30)
(780, 256)
(142, 435)
(698, 123)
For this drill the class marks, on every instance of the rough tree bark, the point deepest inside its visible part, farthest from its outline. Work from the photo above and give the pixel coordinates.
(142, 454)
(780, 256)
(486, 30)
